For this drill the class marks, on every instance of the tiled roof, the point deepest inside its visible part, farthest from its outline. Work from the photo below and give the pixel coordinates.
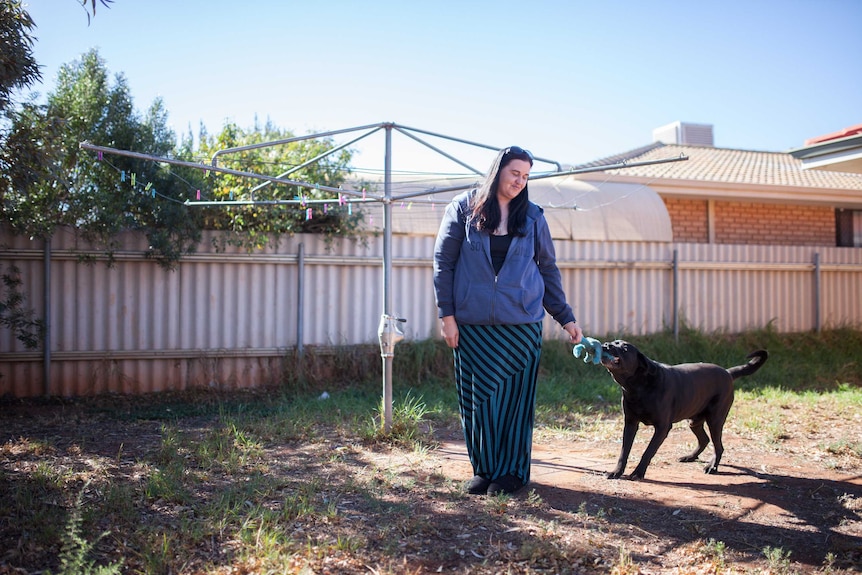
(710, 164)
(845, 133)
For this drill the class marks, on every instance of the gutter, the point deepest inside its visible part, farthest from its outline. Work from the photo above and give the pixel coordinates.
(735, 191)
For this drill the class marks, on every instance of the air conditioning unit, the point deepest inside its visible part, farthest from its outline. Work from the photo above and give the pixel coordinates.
(684, 133)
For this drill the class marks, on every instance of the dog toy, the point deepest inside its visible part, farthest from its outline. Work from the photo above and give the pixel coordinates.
(590, 346)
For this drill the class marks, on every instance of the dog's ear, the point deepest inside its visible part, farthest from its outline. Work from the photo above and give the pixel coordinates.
(643, 361)
(646, 364)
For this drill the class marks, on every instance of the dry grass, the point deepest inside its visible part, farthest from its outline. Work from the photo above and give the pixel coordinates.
(270, 483)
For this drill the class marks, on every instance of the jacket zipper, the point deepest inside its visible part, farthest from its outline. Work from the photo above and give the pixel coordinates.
(494, 301)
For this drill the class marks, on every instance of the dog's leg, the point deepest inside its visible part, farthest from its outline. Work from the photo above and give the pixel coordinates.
(702, 441)
(661, 432)
(715, 430)
(715, 422)
(630, 429)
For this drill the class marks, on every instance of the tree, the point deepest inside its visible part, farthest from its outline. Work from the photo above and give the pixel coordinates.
(18, 68)
(93, 3)
(255, 225)
(99, 197)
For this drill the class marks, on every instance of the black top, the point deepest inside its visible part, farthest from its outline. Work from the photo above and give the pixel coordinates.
(499, 248)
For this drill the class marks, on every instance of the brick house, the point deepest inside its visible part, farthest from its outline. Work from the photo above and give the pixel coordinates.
(838, 151)
(729, 196)
(716, 196)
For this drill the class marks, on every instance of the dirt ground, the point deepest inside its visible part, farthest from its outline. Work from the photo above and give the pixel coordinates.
(791, 496)
(802, 493)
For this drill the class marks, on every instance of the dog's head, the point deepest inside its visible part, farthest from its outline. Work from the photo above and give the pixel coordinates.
(621, 358)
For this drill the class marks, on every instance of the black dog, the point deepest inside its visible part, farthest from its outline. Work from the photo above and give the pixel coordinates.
(660, 395)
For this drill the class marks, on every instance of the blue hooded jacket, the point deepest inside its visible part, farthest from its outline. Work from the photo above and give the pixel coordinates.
(528, 283)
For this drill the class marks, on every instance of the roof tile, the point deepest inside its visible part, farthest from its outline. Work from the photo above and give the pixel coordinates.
(712, 164)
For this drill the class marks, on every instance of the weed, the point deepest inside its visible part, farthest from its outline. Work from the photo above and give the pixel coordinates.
(48, 476)
(715, 552)
(407, 416)
(828, 564)
(157, 554)
(845, 446)
(534, 498)
(228, 447)
(347, 543)
(624, 564)
(75, 549)
(499, 503)
(169, 450)
(778, 558)
(166, 483)
(120, 499)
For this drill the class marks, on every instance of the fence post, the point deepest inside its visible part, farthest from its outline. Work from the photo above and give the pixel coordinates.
(817, 295)
(300, 315)
(46, 337)
(675, 295)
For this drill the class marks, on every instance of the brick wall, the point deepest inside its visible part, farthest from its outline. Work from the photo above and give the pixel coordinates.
(688, 219)
(752, 223)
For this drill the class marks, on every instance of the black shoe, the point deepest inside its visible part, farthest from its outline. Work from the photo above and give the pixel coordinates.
(478, 485)
(507, 484)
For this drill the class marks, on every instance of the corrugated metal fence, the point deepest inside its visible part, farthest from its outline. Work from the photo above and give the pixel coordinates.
(232, 318)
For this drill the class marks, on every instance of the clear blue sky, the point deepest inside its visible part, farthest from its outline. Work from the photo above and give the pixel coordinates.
(572, 80)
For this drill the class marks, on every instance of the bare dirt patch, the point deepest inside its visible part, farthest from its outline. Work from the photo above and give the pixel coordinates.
(780, 497)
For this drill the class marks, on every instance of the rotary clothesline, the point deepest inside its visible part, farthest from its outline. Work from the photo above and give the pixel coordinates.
(389, 333)
(344, 196)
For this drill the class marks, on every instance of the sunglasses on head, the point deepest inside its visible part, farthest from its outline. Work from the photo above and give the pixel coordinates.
(518, 151)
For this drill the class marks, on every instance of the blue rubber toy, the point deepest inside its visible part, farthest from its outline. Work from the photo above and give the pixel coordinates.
(590, 346)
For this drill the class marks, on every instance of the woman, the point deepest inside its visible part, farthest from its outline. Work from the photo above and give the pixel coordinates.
(495, 274)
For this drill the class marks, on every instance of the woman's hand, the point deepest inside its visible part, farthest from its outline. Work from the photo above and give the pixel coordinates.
(574, 331)
(449, 330)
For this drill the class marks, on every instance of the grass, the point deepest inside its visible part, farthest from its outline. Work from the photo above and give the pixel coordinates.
(286, 481)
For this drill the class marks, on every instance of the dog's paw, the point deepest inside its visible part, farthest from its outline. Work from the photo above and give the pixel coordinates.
(711, 467)
(637, 474)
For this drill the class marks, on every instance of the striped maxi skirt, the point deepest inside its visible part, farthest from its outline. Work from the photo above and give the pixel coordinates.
(496, 367)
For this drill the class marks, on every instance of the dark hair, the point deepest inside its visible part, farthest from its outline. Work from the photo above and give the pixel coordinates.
(485, 206)
(516, 153)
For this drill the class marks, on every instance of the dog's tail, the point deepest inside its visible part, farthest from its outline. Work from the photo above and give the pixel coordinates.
(756, 360)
